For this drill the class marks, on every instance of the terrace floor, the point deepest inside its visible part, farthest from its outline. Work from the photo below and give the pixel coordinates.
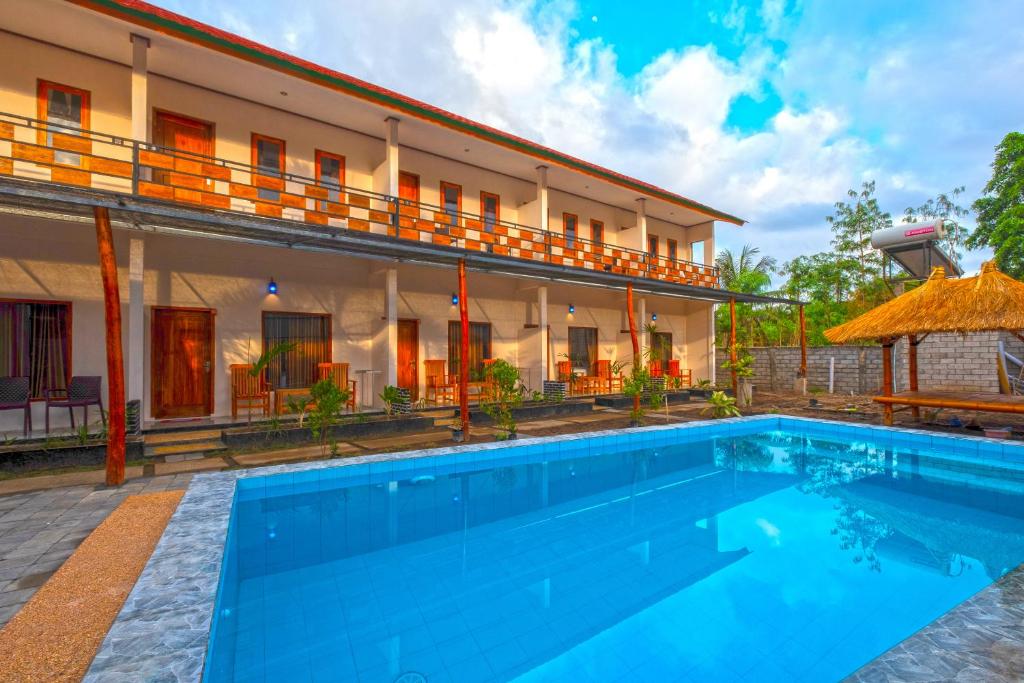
(43, 519)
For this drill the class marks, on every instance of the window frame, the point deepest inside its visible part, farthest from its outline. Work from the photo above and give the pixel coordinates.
(597, 345)
(484, 196)
(570, 241)
(319, 155)
(442, 204)
(598, 237)
(653, 240)
(42, 113)
(457, 324)
(304, 314)
(703, 252)
(69, 306)
(672, 250)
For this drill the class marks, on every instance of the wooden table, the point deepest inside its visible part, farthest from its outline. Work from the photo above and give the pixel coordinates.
(281, 397)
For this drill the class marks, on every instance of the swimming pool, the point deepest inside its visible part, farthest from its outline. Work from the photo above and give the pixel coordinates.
(770, 549)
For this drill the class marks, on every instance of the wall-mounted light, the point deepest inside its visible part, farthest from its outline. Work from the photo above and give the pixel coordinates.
(271, 287)
(654, 316)
(455, 299)
(572, 309)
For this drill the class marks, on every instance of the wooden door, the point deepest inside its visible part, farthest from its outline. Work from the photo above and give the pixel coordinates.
(185, 136)
(182, 362)
(408, 186)
(409, 356)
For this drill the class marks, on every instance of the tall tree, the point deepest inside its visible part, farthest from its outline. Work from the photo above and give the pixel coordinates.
(852, 223)
(748, 272)
(1000, 211)
(944, 206)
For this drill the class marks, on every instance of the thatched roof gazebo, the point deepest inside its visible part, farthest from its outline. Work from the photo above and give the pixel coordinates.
(988, 302)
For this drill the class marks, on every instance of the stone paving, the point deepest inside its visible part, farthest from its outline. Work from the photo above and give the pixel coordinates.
(39, 530)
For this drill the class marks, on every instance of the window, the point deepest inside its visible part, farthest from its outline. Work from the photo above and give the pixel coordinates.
(268, 158)
(66, 110)
(451, 203)
(583, 349)
(311, 334)
(673, 250)
(661, 346)
(697, 252)
(35, 342)
(490, 213)
(479, 347)
(330, 173)
(569, 224)
(597, 232)
(652, 245)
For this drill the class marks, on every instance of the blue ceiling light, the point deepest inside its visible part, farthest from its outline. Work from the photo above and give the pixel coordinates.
(455, 299)
(654, 316)
(271, 287)
(572, 309)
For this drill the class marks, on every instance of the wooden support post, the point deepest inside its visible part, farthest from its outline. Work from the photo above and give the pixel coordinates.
(115, 354)
(633, 338)
(912, 369)
(463, 351)
(732, 349)
(803, 343)
(887, 380)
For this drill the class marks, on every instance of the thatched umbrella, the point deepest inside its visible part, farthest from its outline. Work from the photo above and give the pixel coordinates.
(990, 301)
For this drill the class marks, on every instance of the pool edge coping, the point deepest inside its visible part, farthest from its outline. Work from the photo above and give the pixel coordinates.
(171, 607)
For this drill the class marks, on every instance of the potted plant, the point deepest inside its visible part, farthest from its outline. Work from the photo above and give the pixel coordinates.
(720, 405)
(744, 368)
(390, 397)
(505, 394)
(328, 401)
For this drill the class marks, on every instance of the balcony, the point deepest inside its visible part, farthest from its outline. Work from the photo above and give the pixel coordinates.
(76, 165)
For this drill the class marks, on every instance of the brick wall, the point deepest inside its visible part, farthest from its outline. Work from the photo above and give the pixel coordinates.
(944, 361)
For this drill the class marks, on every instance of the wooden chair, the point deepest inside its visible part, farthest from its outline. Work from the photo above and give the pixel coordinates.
(655, 367)
(338, 373)
(681, 377)
(16, 394)
(440, 385)
(603, 369)
(248, 390)
(82, 392)
(565, 374)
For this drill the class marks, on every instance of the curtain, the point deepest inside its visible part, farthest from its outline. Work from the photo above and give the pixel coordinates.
(311, 334)
(479, 347)
(583, 348)
(34, 343)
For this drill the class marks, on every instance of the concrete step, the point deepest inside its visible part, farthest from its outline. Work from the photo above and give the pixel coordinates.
(182, 436)
(446, 421)
(189, 450)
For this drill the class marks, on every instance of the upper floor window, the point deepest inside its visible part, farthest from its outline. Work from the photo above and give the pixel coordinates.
(652, 245)
(451, 203)
(65, 110)
(597, 232)
(330, 174)
(490, 210)
(697, 252)
(268, 158)
(569, 225)
(673, 250)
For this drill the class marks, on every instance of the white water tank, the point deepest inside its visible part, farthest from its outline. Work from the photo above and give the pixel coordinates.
(910, 233)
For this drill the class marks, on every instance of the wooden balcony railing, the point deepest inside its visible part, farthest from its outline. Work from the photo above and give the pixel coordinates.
(34, 150)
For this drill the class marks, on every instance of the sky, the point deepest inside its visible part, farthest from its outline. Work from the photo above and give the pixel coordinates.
(769, 110)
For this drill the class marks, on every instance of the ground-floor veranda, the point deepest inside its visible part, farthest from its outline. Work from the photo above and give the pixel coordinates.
(193, 306)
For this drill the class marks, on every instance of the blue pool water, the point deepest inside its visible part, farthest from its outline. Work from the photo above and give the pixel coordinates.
(755, 551)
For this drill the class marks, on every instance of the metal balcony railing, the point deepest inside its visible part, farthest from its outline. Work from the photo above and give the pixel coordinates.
(34, 150)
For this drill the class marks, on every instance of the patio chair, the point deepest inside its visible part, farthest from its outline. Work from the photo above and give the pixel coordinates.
(440, 385)
(680, 376)
(81, 392)
(611, 382)
(338, 373)
(247, 390)
(15, 394)
(656, 369)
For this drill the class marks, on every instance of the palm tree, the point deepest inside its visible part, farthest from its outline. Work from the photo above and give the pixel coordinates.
(747, 273)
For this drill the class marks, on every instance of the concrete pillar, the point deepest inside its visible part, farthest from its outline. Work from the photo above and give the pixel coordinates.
(542, 323)
(391, 152)
(641, 223)
(136, 324)
(391, 316)
(140, 88)
(542, 197)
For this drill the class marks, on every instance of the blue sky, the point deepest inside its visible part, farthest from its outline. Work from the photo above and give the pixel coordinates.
(769, 109)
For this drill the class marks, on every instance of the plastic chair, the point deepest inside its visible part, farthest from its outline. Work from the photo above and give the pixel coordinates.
(16, 394)
(81, 392)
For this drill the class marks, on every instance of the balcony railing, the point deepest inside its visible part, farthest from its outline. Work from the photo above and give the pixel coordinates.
(35, 150)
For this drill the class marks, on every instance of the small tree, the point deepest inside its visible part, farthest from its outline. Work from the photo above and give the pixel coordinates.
(328, 402)
(389, 397)
(634, 386)
(1000, 210)
(503, 380)
(721, 406)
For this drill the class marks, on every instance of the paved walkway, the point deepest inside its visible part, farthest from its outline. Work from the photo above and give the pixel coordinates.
(39, 530)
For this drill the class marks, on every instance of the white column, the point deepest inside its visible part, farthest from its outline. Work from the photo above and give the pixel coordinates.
(641, 223)
(391, 313)
(542, 323)
(140, 88)
(542, 197)
(136, 327)
(391, 151)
